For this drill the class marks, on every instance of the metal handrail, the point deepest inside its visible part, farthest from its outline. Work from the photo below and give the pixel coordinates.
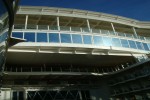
(81, 29)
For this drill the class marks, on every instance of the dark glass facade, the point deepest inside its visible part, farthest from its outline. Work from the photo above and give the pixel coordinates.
(3, 32)
(6, 20)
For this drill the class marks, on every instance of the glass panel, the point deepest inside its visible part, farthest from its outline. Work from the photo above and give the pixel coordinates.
(147, 38)
(148, 45)
(145, 46)
(43, 27)
(41, 37)
(17, 34)
(98, 40)
(112, 33)
(14, 96)
(3, 37)
(30, 37)
(87, 39)
(19, 26)
(85, 30)
(139, 45)
(129, 35)
(2, 8)
(65, 38)
(76, 38)
(121, 34)
(124, 43)
(104, 31)
(53, 28)
(141, 37)
(107, 41)
(116, 42)
(54, 37)
(31, 26)
(0, 38)
(95, 30)
(132, 44)
(75, 29)
(64, 28)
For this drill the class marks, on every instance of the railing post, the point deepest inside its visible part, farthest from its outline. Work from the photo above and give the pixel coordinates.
(58, 24)
(88, 25)
(26, 21)
(135, 33)
(112, 25)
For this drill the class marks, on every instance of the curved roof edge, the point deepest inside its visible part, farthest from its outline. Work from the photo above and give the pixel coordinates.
(42, 10)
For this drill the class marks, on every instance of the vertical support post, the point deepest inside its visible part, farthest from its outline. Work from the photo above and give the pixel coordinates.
(26, 21)
(88, 24)
(79, 91)
(48, 27)
(58, 24)
(135, 33)
(112, 25)
(25, 94)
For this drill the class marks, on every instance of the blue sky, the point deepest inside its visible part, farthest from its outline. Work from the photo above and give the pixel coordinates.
(136, 9)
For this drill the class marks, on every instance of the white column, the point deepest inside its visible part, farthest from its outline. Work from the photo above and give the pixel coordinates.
(58, 25)
(26, 21)
(79, 91)
(112, 25)
(25, 94)
(88, 24)
(135, 33)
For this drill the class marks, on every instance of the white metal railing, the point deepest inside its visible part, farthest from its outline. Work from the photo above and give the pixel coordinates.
(81, 29)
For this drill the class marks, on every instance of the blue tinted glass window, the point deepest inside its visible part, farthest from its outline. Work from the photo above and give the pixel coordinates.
(132, 44)
(65, 38)
(124, 43)
(98, 40)
(139, 45)
(17, 34)
(107, 41)
(148, 45)
(87, 39)
(3, 37)
(76, 38)
(2, 8)
(30, 37)
(54, 37)
(116, 42)
(145, 46)
(0, 38)
(41, 37)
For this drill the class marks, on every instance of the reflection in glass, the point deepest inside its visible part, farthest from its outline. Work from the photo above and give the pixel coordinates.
(17, 34)
(2, 8)
(139, 45)
(3, 37)
(30, 37)
(145, 46)
(65, 38)
(107, 41)
(148, 45)
(98, 40)
(116, 42)
(124, 43)
(132, 44)
(76, 38)
(54, 37)
(41, 37)
(4, 20)
(87, 39)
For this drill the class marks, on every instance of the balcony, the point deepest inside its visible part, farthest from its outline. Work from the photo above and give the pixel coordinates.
(79, 29)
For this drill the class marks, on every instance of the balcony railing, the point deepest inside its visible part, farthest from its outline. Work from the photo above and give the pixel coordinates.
(80, 29)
